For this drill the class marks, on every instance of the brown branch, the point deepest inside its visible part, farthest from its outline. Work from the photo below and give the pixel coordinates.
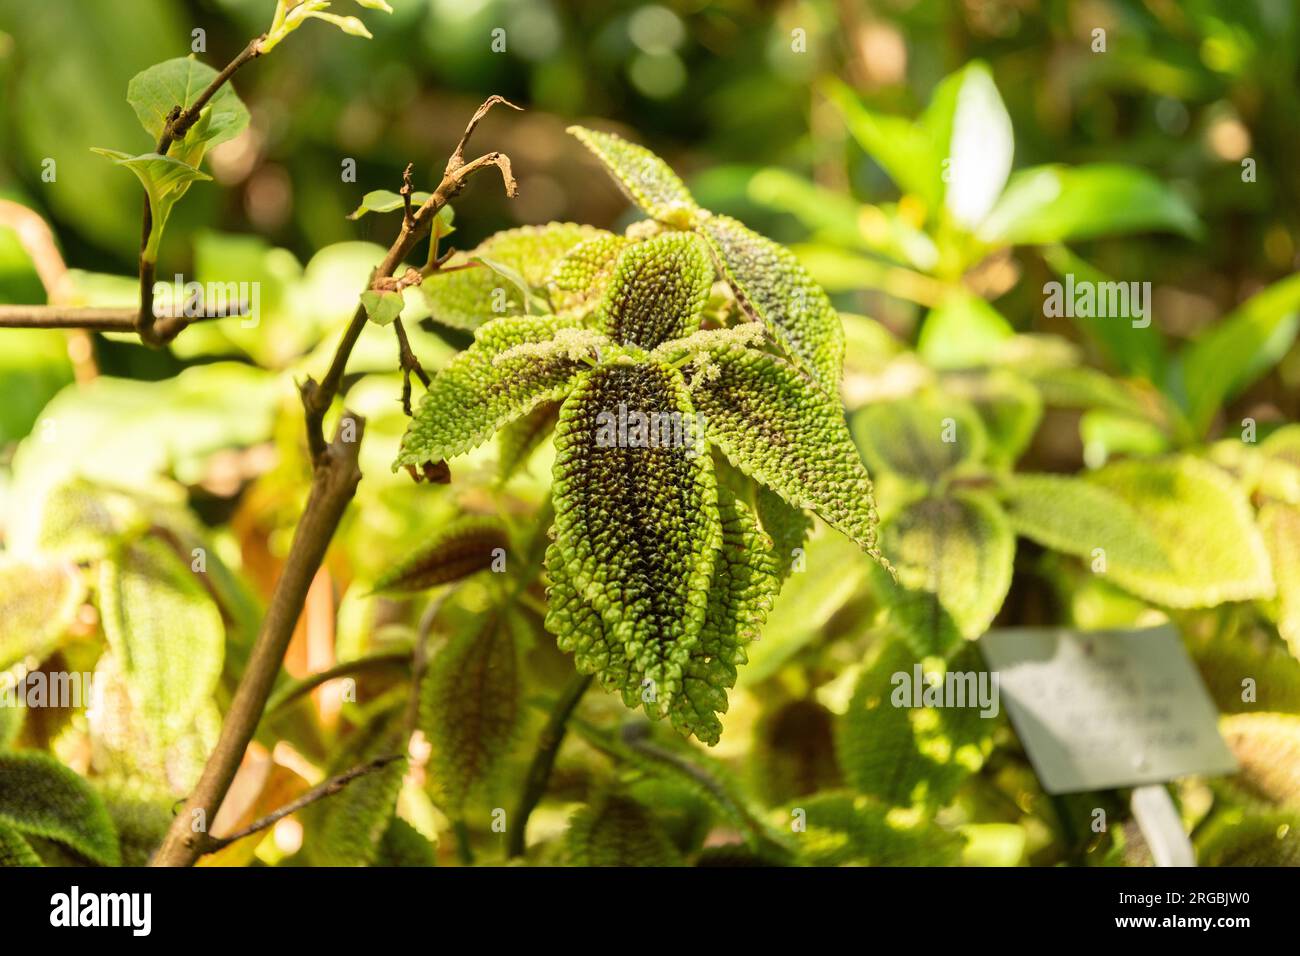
(179, 121)
(409, 363)
(334, 482)
(92, 319)
(211, 844)
(317, 396)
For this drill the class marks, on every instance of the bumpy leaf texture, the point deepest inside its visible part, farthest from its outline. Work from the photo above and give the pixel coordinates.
(584, 272)
(789, 436)
(467, 298)
(659, 289)
(618, 831)
(479, 390)
(636, 534)
(775, 289)
(647, 179)
(463, 547)
(41, 797)
(470, 709)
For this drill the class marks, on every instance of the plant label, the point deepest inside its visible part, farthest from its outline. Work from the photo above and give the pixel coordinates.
(1097, 710)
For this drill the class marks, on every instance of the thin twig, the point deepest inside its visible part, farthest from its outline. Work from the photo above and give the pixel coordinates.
(179, 121)
(334, 482)
(539, 771)
(409, 363)
(318, 792)
(300, 689)
(91, 319)
(318, 396)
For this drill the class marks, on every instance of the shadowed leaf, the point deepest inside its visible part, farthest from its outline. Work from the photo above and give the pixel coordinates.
(457, 550)
(41, 797)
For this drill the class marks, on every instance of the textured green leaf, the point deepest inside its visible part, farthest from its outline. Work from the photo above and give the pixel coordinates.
(842, 828)
(636, 533)
(347, 828)
(772, 424)
(744, 585)
(82, 521)
(517, 441)
(794, 751)
(658, 291)
(776, 290)
(1009, 406)
(385, 200)
(456, 551)
(1280, 525)
(1060, 204)
(404, 846)
(483, 388)
(141, 825)
(14, 850)
(1204, 525)
(618, 831)
(644, 177)
(470, 709)
(953, 556)
(787, 526)
(466, 298)
(1074, 516)
(1267, 748)
(165, 180)
(1242, 837)
(41, 797)
(178, 82)
(906, 755)
(165, 631)
(675, 761)
(921, 438)
(585, 270)
(38, 601)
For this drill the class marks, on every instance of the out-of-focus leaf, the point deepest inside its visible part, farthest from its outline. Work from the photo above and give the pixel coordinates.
(1267, 748)
(907, 755)
(1244, 837)
(38, 601)
(1205, 526)
(618, 831)
(465, 298)
(787, 526)
(470, 709)
(34, 365)
(1107, 434)
(1009, 406)
(962, 332)
(1247, 672)
(1279, 523)
(846, 829)
(903, 149)
(404, 846)
(458, 550)
(953, 556)
(794, 752)
(348, 827)
(1238, 349)
(979, 146)
(14, 850)
(167, 633)
(41, 797)
(1048, 204)
(920, 438)
(520, 438)
(385, 200)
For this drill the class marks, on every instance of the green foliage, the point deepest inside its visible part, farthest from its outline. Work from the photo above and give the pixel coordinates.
(38, 600)
(846, 829)
(921, 438)
(165, 180)
(953, 557)
(470, 708)
(456, 551)
(617, 831)
(39, 797)
(150, 600)
(154, 92)
(902, 754)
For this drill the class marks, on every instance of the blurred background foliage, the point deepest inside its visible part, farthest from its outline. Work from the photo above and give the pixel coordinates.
(816, 124)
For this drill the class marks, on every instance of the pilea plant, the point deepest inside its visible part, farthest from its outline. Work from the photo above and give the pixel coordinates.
(661, 568)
